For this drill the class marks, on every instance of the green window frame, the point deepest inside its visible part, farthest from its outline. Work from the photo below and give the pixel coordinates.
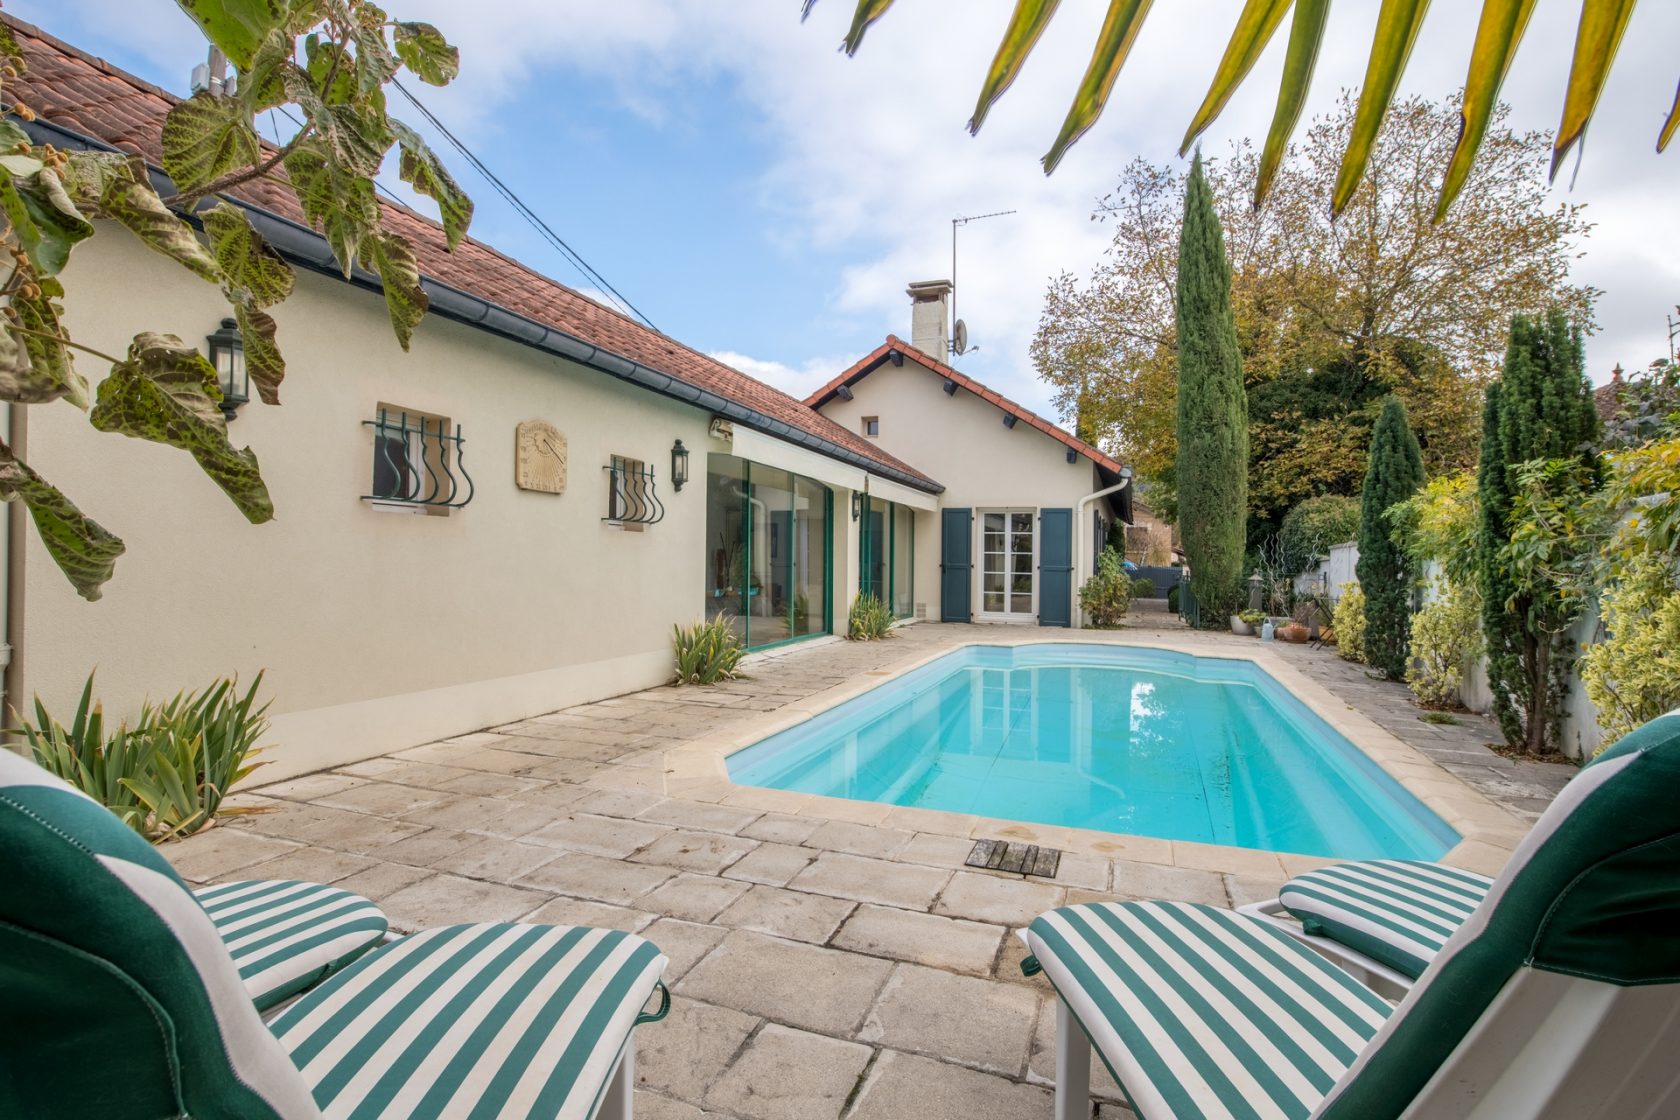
(791, 613)
(885, 587)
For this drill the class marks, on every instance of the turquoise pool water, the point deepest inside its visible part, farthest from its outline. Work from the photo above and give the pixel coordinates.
(1141, 741)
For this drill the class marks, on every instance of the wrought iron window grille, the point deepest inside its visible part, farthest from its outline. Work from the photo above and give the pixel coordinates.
(630, 494)
(418, 462)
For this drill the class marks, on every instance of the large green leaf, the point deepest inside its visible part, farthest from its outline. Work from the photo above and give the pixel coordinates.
(260, 84)
(1255, 25)
(166, 392)
(115, 186)
(1306, 33)
(1114, 42)
(83, 551)
(344, 207)
(37, 367)
(375, 64)
(205, 137)
(421, 169)
(262, 357)
(1596, 40)
(1397, 28)
(44, 219)
(1027, 23)
(236, 26)
(356, 136)
(424, 50)
(255, 272)
(1501, 29)
(868, 11)
(399, 274)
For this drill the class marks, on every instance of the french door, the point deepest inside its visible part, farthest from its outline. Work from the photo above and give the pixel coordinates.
(1008, 556)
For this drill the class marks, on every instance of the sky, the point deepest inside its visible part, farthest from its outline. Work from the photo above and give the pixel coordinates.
(760, 196)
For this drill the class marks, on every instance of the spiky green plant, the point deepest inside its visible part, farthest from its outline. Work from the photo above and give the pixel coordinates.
(870, 619)
(707, 652)
(96, 761)
(204, 742)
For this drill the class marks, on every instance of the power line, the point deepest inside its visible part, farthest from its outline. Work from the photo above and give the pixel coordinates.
(571, 255)
(525, 211)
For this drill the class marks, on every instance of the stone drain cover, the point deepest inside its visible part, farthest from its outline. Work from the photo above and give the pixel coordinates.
(1011, 855)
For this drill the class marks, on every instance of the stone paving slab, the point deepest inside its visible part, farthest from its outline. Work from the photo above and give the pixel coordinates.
(829, 958)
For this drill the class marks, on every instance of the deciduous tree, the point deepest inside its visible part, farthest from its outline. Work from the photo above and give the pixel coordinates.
(1331, 316)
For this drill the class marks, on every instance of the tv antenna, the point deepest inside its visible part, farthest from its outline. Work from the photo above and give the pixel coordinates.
(959, 329)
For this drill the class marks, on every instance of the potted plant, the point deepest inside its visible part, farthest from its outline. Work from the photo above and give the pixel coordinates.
(1245, 623)
(1292, 631)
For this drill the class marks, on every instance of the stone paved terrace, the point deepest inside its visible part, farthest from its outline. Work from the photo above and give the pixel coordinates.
(828, 959)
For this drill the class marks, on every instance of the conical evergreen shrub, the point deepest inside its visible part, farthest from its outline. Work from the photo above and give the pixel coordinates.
(1540, 408)
(1393, 473)
(1212, 466)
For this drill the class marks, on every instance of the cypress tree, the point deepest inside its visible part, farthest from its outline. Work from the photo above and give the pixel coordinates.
(1393, 473)
(1212, 468)
(1540, 408)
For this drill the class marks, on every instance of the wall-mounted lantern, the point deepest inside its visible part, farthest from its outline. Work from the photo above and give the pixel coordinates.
(227, 354)
(857, 504)
(679, 465)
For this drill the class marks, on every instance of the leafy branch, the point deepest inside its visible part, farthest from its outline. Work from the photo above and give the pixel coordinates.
(163, 390)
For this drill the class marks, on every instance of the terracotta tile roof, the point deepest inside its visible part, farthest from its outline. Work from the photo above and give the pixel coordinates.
(74, 90)
(873, 360)
(1607, 398)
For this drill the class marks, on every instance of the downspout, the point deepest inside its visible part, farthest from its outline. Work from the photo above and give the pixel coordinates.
(1080, 575)
(11, 653)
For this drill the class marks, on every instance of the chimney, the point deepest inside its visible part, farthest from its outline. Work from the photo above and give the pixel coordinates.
(1616, 374)
(930, 317)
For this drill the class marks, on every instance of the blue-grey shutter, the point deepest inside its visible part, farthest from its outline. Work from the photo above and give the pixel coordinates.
(1055, 567)
(956, 563)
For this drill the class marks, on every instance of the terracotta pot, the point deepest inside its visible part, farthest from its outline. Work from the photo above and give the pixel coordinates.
(1294, 632)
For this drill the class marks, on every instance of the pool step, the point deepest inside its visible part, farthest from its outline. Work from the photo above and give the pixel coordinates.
(1011, 855)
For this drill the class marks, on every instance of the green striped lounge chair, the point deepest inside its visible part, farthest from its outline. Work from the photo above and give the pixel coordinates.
(1382, 919)
(286, 936)
(1558, 996)
(122, 1002)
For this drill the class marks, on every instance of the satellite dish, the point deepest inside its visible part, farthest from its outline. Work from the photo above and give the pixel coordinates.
(959, 337)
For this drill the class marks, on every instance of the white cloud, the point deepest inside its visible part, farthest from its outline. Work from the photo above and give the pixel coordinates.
(799, 381)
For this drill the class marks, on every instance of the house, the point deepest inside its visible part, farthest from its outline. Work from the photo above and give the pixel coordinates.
(506, 520)
(1025, 506)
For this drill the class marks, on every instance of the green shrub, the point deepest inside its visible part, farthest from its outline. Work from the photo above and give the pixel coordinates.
(1172, 599)
(1143, 588)
(1349, 621)
(870, 619)
(1253, 616)
(707, 652)
(1394, 473)
(1312, 527)
(166, 776)
(1107, 595)
(1446, 634)
(1630, 676)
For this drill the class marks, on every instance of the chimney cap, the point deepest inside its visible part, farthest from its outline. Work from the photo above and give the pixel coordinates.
(920, 290)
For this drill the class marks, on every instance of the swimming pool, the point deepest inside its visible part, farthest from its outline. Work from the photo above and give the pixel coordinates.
(1118, 738)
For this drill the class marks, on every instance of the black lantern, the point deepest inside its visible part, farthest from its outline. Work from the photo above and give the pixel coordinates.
(679, 465)
(227, 354)
(857, 505)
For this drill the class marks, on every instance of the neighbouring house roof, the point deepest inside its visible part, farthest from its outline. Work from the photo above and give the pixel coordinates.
(895, 345)
(1607, 398)
(88, 97)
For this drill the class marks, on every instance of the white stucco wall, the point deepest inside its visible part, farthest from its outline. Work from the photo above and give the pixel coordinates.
(960, 440)
(379, 630)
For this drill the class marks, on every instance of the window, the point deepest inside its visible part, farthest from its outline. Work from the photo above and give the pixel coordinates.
(886, 554)
(417, 462)
(630, 502)
(871, 425)
(769, 536)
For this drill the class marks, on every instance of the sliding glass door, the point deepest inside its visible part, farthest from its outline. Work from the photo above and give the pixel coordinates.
(887, 554)
(768, 536)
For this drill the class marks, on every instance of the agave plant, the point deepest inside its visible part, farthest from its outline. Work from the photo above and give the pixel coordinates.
(870, 619)
(707, 651)
(83, 754)
(203, 743)
(1498, 34)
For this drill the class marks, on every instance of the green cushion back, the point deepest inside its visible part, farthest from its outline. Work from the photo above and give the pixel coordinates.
(1593, 891)
(119, 999)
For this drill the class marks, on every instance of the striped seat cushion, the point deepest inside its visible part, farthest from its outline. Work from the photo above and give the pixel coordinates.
(492, 1020)
(285, 936)
(1201, 1013)
(1398, 912)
